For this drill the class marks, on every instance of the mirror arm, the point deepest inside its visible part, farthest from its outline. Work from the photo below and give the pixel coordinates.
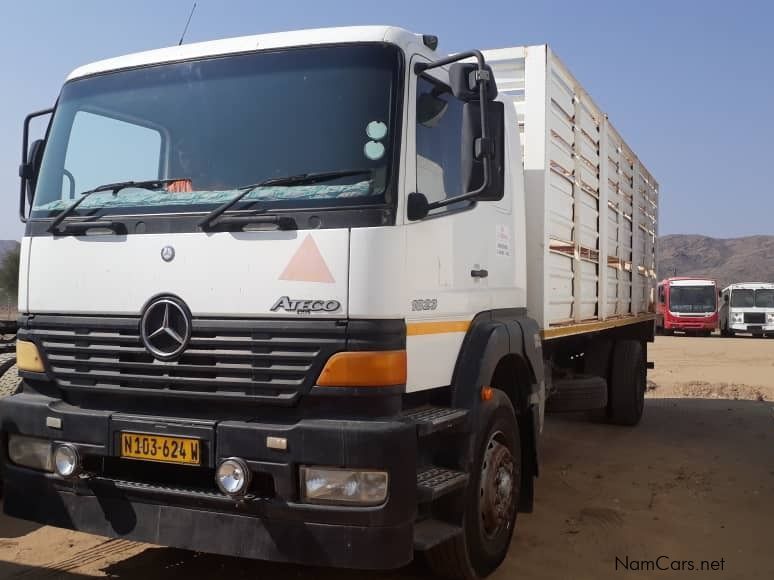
(421, 67)
(25, 171)
(481, 75)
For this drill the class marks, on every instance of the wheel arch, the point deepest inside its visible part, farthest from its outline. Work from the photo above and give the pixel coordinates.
(503, 350)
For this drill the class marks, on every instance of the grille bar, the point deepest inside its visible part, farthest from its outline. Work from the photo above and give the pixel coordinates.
(262, 360)
(755, 318)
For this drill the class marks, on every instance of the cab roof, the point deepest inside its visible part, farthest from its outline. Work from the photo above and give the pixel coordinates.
(750, 286)
(350, 34)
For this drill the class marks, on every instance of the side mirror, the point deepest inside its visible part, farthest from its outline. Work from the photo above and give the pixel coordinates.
(725, 298)
(417, 206)
(483, 133)
(30, 163)
(34, 158)
(475, 149)
(464, 79)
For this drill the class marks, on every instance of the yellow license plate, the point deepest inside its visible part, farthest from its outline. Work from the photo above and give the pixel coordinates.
(160, 448)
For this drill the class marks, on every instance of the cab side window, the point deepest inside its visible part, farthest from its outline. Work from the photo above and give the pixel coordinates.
(438, 141)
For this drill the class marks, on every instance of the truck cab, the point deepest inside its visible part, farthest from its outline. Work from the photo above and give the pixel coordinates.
(748, 308)
(290, 297)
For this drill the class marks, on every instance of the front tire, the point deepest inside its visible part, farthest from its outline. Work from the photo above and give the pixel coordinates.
(491, 500)
(628, 381)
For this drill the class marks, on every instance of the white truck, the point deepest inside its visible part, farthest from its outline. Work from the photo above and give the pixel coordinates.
(307, 296)
(747, 307)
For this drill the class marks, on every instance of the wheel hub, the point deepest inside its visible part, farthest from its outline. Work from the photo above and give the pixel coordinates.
(497, 486)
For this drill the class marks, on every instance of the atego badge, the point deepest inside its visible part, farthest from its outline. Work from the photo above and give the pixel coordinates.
(302, 305)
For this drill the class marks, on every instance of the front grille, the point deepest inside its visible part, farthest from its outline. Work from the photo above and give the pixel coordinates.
(274, 361)
(755, 318)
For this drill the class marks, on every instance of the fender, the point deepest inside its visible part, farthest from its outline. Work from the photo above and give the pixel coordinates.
(492, 336)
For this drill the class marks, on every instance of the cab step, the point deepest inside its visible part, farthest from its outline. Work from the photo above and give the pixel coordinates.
(435, 482)
(429, 419)
(430, 533)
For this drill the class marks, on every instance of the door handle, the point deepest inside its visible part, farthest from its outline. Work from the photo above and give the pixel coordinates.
(479, 273)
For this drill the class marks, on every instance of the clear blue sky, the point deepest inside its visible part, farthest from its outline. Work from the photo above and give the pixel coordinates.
(689, 84)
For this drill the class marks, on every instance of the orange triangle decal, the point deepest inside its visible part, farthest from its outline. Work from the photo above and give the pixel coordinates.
(307, 265)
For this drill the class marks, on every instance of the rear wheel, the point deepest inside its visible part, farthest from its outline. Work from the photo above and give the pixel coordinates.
(491, 501)
(628, 380)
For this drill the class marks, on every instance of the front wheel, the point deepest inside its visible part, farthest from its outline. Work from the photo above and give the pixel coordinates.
(9, 385)
(491, 501)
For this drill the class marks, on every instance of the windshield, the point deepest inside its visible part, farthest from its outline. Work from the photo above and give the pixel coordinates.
(764, 298)
(693, 299)
(220, 124)
(743, 298)
(761, 298)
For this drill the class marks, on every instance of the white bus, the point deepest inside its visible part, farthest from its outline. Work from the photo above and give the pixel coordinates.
(747, 307)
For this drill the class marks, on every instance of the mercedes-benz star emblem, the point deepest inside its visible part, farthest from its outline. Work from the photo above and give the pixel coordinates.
(167, 253)
(165, 328)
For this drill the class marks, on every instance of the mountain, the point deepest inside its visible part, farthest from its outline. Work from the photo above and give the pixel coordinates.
(749, 259)
(6, 246)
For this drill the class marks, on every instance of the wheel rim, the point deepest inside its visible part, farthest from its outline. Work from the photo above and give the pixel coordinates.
(498, 478)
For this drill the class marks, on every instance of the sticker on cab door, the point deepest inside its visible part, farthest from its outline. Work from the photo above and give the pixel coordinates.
(502, 240)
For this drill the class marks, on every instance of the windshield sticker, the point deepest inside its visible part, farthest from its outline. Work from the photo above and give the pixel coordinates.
(131, 198)
(374, 150)
(376, 130)
(307, 265)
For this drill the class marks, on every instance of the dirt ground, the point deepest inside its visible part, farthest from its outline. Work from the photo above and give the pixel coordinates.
(693, 482)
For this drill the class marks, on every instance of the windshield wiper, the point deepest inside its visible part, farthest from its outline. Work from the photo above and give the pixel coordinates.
(150, 184)
(302, 179)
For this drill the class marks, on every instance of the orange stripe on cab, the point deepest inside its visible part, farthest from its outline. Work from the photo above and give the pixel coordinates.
(419, 328)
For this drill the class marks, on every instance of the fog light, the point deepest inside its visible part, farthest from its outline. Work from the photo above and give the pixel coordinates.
(343, 486)
(30, 452)
(233, 477)
(67, 461)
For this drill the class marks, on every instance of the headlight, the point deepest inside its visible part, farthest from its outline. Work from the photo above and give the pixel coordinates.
(343, 486)
(30, 452)
(770, 317)
(737, 317)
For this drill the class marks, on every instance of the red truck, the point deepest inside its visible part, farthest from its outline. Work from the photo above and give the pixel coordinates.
(687, 304)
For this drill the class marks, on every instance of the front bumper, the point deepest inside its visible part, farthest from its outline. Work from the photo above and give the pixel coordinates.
(754, 328)
(275, 526)
(691, 324)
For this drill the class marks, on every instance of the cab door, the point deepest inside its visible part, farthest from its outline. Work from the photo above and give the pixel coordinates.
(447, 258)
